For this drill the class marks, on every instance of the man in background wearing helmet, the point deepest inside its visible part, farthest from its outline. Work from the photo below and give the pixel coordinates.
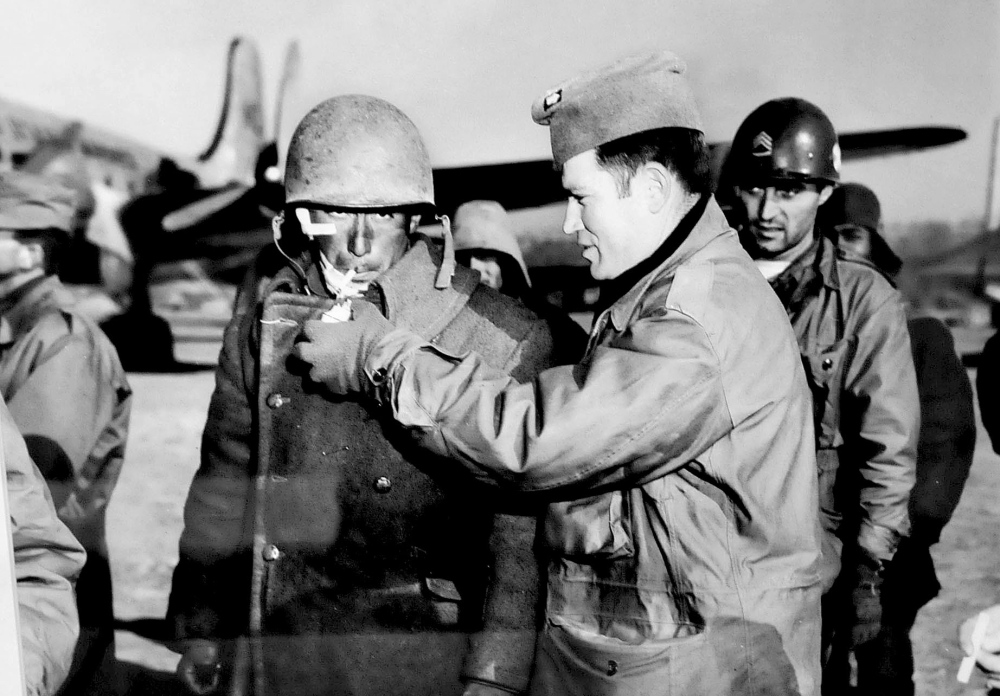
(67, 392)
(683, 537)
(851, 328)
(310, 526)
(852, 217)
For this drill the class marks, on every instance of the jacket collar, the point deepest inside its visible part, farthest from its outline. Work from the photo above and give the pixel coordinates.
(21, 308)
(710, 225)
(816, 267)
(409, 297)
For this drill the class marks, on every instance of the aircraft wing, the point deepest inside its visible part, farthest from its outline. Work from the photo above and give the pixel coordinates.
(534, 183)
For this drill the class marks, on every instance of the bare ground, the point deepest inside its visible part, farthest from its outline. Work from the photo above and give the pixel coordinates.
(145, 520)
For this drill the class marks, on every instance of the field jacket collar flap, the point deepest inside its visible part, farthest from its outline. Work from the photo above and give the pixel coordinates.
(25, 304)
(814, 268)
(410, 299)
(710, 225)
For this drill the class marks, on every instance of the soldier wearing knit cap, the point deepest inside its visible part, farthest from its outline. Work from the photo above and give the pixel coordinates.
(681, 532)
(67, 392)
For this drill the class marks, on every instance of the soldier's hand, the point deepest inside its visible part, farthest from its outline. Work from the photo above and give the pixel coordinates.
(988, 657)
(200, 667)
(474, 688)
(337, 351)
(866, 603)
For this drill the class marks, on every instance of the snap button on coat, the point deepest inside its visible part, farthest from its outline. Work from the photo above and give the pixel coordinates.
(270, 553)
(383, 484)
(276, 400)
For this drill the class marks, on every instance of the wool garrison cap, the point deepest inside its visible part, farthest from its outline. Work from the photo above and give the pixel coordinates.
(632, 95)
(33, 202)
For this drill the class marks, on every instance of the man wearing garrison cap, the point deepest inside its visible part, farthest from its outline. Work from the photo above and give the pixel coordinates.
(67, 393)
(682, 532)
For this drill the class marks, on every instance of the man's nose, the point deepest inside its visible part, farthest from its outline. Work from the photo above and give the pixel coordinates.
(768, 205)
(359, 242)
(573, 222)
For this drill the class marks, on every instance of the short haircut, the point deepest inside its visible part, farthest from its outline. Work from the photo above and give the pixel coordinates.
(681, 150)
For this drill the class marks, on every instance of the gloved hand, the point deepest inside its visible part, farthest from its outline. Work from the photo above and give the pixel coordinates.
(865, 602)
(200, 667)
(337, 351)
(988, 657)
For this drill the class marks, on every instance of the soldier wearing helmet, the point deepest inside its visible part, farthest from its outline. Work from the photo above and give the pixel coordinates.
(317, 555)
(851, 328)
(682, 534)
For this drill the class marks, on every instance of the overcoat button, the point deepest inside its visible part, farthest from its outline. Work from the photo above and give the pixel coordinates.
(270, 553)
(378, 377)
(827, 364)
(383, 484)
(612, 668)
(277, 400)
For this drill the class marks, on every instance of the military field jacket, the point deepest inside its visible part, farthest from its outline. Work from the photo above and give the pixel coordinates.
(312, 525)
(851, 327)
(68, 394)
(47, 561)
(682, 449)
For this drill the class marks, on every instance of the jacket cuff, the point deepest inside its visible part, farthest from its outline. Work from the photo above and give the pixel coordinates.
(878, 542)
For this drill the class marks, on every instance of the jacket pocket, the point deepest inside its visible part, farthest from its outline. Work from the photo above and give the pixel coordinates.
(824, 369)
(596, 528)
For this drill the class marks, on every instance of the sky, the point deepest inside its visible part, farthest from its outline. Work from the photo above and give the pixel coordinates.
(467, 71)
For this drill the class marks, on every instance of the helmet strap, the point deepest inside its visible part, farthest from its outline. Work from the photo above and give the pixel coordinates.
(276, 224)
(447, 269)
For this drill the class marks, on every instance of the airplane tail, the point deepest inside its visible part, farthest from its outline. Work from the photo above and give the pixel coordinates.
(232, 155)
(282, 131)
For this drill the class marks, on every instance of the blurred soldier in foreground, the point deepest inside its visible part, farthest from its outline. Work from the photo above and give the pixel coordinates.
(852, 333)
(47, 559)
(485, 242)
(67, 393)
(685, 558)
(310, 526)
(944, 451)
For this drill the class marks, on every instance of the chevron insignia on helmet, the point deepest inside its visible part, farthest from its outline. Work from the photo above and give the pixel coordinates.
(762, 145)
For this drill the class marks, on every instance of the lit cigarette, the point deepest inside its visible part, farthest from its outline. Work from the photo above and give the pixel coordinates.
(978, 635)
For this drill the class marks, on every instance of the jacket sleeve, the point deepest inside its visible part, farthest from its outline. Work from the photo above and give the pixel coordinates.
(988, 389)
(209, 596)
(74, 417)
(640, 407)
(947, 429)
(882, 400)
(47, 561)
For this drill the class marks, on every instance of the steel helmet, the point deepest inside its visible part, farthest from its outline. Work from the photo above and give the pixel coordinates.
(356, 151)
(784, 139)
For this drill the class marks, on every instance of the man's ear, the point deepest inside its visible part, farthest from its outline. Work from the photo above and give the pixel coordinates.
(825, 193)
(657, 185)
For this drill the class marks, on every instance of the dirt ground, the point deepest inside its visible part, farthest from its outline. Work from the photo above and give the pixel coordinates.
(145, 520)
